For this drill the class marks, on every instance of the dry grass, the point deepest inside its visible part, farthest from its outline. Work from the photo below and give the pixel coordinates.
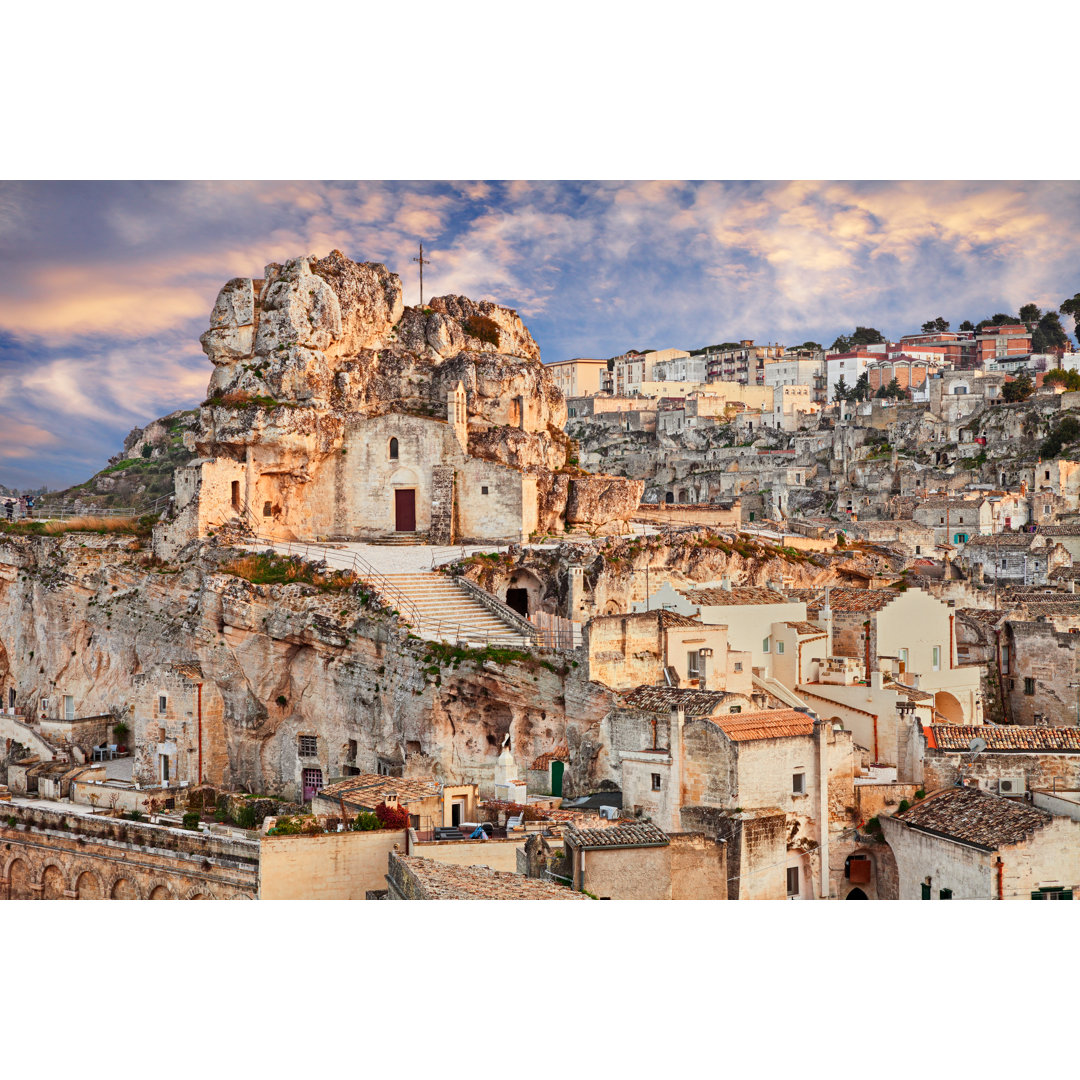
(92, 524)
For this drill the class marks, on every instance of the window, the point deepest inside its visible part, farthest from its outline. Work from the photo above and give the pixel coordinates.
(793, 881)
(735, 708)
(693, 665)
(162, 703)
(268, 510)
(1052, 892)
(352, 750)
(903, 658)
(1029, 687)
(656, 781)
(1047, 474)
(926, 890)
(236, 494)
(738, 666)
(161, 734)
(779, 647)
(393, 449)
(798, 783)
(484, 490)
(309, 745)
(69, 707)
(765, 645)
(945, 894)
(937, 658)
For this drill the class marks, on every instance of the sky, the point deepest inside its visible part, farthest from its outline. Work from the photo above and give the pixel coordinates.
(106, 286)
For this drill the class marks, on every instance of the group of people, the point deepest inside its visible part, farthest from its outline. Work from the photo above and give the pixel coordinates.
(24, 505)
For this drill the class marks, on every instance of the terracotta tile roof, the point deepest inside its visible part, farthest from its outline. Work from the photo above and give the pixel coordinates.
(369, 789)
(1004, 737)
(773, 724)
(910, 692)
(1020, 541)
(442, 881)
(661, 699)
(621, 835)
(806, 628)
(743, 594)
(843, 598)
(1060, 530)
(975, 817)
(1053, 607)
(560, 753)
(673, 618)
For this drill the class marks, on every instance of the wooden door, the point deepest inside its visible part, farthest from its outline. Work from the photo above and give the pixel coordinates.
(405, 510)
(556, 777)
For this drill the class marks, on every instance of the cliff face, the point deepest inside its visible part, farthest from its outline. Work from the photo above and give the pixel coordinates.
(82, 615)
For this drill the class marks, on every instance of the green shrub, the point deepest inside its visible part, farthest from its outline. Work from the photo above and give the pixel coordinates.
(191, 819)
(904, 805)
(147, 450)
(245, 817)
(365, 822)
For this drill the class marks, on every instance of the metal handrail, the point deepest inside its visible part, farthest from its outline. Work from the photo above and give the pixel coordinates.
(378, 581)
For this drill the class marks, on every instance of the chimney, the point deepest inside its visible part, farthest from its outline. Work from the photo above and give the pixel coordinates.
(826, 618)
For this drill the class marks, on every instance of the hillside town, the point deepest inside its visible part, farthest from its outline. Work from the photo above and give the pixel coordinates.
(406, 613)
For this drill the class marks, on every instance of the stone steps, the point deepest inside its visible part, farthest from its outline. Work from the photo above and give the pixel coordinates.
(448, 613)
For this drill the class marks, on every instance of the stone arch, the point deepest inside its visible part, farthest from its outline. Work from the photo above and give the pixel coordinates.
(951, 711)
(18, 874)
(669, 497)
(159, 890)
(856, 894)
(88, 886)
(393, 449)
(198, 893)
(52, 883)
(124, 888)
(404, 478)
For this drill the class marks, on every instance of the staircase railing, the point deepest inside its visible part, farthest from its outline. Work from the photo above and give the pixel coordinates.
(498, 608)
(390, 592)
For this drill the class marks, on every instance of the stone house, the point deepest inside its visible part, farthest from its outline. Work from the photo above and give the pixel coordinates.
(1016, 759)
(1039, 673)
(905, 632)
(763, 772)
(639, 861)
(654, 648)
(955, 520)
(410, 877)
(966, 844)
(428, 803)
(1023, 558)
(178, 729)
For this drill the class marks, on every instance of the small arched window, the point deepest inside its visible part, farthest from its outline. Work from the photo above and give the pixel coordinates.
(393, 450)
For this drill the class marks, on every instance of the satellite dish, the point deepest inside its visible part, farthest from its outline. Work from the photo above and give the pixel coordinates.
(976, 746)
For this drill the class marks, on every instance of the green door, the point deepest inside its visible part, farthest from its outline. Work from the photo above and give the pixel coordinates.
(556, 777)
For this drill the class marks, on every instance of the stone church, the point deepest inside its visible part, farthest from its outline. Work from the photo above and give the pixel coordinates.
(335, 412)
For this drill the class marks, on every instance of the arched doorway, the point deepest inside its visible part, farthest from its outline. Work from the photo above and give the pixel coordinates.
(124, 890)
(856, 894)
(88, 887)
(524, 592)
(19, 878)
(161, 892)
(949, 708)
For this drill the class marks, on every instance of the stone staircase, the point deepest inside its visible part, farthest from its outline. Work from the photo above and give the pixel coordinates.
(448, 613)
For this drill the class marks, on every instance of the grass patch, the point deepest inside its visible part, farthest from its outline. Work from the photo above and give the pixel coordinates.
(270, 568)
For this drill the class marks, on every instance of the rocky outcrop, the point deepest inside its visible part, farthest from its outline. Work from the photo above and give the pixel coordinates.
(454, 324)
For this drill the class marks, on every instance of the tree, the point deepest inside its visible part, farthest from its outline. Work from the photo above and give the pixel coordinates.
(1072, 307)
(1000, 319)
(1069, 380)
(863, 335)
(841, 390)
(1019, 389)
(861, 390)
(967, 324)
(938, 325)
(1048, 334)
(1030, 313)
(809, 346)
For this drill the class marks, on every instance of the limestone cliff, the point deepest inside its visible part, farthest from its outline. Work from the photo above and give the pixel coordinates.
(81, 615)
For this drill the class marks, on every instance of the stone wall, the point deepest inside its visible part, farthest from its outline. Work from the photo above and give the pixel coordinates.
(55, 856)
(1038, 770)
(330, 866)
(1048, 658)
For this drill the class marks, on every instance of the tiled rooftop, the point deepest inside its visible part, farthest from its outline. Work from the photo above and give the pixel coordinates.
(662, 699)
(1018, 540)
(742, 594)
(843, 599)
(1060, 530)
(368, 789)
(673, 618)
(560, 753)
(1003, 737)
(806, 628)
(976, 817)
(635, 834)
(442, 881)
(773, 724)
